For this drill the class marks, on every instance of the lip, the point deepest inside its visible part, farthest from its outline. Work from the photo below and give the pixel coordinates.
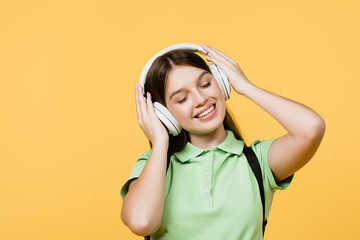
(204, 109)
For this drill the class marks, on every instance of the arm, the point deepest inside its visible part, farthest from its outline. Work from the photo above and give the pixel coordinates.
(142, 207)
(305, 127)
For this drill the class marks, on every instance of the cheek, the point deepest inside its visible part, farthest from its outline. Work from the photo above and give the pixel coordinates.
(181, 113)
(218, 91)
(222, 106)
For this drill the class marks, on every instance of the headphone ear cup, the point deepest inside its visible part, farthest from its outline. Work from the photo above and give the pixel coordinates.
(221, 79)
(167, 119)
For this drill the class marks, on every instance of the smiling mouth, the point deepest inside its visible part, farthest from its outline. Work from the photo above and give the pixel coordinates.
(209, 110)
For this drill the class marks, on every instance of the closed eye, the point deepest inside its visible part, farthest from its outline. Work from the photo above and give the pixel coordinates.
(203, 86)
(206, 85)
(183, 100)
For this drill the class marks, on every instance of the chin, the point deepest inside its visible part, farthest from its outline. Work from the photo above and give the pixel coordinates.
(205, 129)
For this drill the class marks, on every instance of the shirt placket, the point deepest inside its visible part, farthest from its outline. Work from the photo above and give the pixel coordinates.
(208, 176)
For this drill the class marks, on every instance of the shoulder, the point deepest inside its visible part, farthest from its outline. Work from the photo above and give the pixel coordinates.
(261, 149)
(144, 156)
(135, 172)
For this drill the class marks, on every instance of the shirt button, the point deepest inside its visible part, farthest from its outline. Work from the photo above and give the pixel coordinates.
(208, 173)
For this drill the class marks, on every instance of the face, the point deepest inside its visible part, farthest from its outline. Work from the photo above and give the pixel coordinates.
(194, 98)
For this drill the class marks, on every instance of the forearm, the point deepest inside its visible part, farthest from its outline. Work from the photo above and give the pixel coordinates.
(299, 120)
(143, 205)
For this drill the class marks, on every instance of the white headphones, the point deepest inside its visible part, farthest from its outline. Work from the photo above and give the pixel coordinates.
(161, 111)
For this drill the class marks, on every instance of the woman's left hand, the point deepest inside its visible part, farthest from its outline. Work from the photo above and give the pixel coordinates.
(231, 69)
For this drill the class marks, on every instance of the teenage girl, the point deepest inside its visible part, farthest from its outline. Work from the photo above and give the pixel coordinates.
(197, 184)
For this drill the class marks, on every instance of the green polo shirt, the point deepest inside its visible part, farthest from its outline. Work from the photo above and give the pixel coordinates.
(213, 193)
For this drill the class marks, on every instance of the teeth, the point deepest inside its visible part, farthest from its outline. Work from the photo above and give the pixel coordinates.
(206, 112)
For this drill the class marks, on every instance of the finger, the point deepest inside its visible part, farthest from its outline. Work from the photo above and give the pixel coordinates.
(223, 62)
(150, 105)
(212, 52)
(142, 104)
(221, 53)
(212, 49)
(216, 56)
(137, 102)
(136, 99)
(222, 65)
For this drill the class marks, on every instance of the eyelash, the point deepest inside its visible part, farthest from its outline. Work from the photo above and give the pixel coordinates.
(182, 100)
(206, 85)
(203, 86)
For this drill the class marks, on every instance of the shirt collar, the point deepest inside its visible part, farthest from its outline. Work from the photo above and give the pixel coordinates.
(230, 144)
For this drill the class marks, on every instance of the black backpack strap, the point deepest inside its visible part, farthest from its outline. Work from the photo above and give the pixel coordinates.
(255, 167)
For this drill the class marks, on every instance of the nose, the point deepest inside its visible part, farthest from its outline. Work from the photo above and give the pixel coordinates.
(200, 98)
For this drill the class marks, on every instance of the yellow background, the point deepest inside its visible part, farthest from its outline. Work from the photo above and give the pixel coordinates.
(69, 135)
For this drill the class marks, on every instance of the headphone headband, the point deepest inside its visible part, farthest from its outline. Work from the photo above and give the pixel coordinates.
(186, 46)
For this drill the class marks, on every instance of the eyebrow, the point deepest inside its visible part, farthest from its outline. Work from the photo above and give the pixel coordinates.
(181, 89)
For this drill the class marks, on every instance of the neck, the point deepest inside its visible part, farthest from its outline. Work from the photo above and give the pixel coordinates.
(210, 139)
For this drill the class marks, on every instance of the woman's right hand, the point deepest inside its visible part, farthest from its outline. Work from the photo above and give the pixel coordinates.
(148, 121)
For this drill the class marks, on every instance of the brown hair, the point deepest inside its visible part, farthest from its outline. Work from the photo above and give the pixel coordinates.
(155, 83)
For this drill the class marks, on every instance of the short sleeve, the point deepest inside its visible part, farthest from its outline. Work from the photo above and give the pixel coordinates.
(261, 149)
(135, 172)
